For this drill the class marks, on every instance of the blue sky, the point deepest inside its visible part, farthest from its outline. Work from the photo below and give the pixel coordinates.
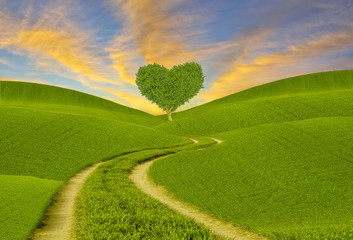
(97, 46)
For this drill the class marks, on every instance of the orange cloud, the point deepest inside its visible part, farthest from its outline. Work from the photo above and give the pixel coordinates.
(49, 41)
(267, 68)
(124, 56)
(123, 65)
(139, 103)
(132, 100)
(157, 33)
(57, 46)
(50, 37)
(23, 80)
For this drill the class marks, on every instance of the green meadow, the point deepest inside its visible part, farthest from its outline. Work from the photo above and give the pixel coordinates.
(283, 169)
(61, 100)
(272, 178)
(127, 213)
(56, 145)
(41, 148)
(22, 201)
(310, 83)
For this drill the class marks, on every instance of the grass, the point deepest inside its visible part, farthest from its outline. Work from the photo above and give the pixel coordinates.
(54, 146)
(55, 99)
(284, 169)
(287, 180)
(23, 201)
(298, 85)
(263, 111)
(127, 213)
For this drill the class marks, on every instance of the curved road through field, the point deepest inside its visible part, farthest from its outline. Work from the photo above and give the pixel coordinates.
(58, 223)
(140, 179)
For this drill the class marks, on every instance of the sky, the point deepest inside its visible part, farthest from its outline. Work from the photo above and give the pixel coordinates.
(97, 46)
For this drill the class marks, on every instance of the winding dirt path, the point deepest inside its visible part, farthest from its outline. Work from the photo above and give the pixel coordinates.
(58, 222)
(140, 179)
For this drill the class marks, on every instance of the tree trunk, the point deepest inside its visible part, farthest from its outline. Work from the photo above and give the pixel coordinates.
(170, 114)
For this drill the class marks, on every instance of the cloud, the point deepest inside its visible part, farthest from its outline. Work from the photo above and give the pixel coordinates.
(273, 40)
(125, 57)
(132, 100)
(295, 60)
(54, 36)
(56, 45)
(4, 61)
(155, 31)
(138, 102)
(23, 80)
(283, 42)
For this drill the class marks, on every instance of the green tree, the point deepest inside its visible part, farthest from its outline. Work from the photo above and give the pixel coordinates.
(170, 89)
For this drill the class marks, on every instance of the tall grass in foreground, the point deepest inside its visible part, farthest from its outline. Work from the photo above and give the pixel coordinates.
(54, 146)
(111, 207)
(286, 181)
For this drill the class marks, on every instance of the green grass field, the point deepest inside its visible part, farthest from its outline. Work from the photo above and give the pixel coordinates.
(54, 99)
(255, 112)
(23, 201)
(42, 145)
(272, 178)
(56, 145)
(128, 213)
(283, 170)
(310, 83)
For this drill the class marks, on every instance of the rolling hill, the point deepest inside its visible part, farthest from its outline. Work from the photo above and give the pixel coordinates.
(309, 83)
(314, 95)
(284, 169)
(56, 99)
(44, 140)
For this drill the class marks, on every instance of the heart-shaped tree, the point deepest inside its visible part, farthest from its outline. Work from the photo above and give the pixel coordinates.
(170, 89)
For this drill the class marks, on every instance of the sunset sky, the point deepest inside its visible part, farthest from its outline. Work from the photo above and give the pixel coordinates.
(97, 46)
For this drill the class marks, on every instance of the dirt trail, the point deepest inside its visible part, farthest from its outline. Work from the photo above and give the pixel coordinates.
(140, 178)
(58, 222)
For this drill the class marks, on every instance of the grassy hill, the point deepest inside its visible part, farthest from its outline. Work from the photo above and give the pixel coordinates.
(22, 203)
(47, 134)
(284, 169)
(56, 145)
(309, 83)
(314, 95)
(263, 111)
(286, 181)
(56, 99)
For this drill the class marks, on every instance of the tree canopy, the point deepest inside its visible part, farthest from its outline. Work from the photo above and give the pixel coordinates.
(170, 89)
